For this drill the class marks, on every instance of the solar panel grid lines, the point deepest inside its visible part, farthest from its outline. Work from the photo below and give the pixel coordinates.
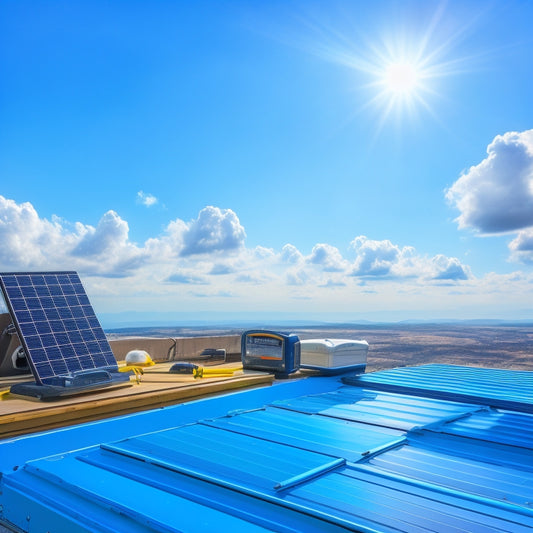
(56, 323)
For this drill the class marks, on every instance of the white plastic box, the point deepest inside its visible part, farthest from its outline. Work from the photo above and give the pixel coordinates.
(334, 356)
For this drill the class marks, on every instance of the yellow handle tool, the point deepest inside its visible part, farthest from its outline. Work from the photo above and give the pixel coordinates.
(202, 372)
(137, 370)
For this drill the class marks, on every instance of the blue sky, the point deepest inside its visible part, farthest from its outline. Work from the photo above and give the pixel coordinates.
(327, 159)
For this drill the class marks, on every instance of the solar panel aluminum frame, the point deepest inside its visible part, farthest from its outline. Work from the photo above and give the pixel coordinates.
(65, 345)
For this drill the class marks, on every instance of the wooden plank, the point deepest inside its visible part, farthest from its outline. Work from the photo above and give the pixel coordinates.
(158, 388)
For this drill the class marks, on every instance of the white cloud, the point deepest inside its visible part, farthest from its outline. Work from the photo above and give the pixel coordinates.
(327, 257)
(186, 278)
(449, 268)
(220, 269)
(374, 258)
(31, 242)
(297, 277)
(385, 260)
(146, 199)
(496, 196)
(214, 230)
(522, 247)
(158, 275)
(291, 254)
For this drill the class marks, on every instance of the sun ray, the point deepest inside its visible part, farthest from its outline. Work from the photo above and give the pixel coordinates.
(399, 73)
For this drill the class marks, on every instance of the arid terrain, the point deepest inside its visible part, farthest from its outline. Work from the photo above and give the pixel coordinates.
(393, 345)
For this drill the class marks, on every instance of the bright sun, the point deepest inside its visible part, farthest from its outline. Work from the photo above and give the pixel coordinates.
(401, 78)
(399, 72)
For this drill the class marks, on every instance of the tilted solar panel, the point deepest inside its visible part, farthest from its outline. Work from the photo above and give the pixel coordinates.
(56, 324)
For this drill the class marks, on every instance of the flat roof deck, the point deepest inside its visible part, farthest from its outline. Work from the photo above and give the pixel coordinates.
(316, 454)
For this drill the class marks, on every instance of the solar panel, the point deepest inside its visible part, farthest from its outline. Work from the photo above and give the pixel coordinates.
(57, 326)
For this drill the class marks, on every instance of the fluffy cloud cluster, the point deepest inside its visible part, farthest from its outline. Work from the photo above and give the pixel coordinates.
(496, 196)
(30, 242)
(207, 256)
(214, 230)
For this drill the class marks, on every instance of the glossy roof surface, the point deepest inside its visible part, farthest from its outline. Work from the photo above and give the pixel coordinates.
(319, 454)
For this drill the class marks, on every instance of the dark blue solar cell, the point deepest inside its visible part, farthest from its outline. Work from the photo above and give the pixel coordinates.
(77, 312)
(28, 329)
(28, 292)
(38, 280)
(68, 290)
(72, 300)
(24, 281)
(60, 301)
(33, 303)
(33, 342)
(99, 360)
(10, 280)
(82, 323)
(53, 353)
(84, 300)
(61, 338)
(42, 291)
(19, 304)
(37, 315)
(86, 361)
(55, 290)
(48, 340)
(70, 324)
(14, 292)
(47, 302)
(38, 355)
(87, 335)
(52, 314)
(100, 335)
(60, 367)
(93, 347)
(75, 337)
(93, 322)
(45, 370)
(73, 364)
(104, 346)
(67, 351)
(63, 279)
(24, 316)
(43, 327)
(81, 349)
(57, 326)
(64, 312)
(87, 310)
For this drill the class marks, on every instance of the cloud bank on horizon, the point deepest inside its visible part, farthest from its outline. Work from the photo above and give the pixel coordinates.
(208, 256)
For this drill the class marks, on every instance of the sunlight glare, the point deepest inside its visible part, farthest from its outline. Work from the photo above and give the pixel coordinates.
(401, 77)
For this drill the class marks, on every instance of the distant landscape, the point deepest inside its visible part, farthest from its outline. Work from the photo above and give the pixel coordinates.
(392, 345)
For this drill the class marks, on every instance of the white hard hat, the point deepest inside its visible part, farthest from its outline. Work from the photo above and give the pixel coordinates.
(138, 357)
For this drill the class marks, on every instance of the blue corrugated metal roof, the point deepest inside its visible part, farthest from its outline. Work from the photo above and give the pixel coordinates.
(514, 429)
(506, 389)
(380, 408)
(346, 458)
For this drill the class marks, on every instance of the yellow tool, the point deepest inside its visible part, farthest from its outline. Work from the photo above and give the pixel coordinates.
(137, 370)
(202, 372)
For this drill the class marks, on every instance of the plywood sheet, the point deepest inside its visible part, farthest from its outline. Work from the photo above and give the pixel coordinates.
(158, 388)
